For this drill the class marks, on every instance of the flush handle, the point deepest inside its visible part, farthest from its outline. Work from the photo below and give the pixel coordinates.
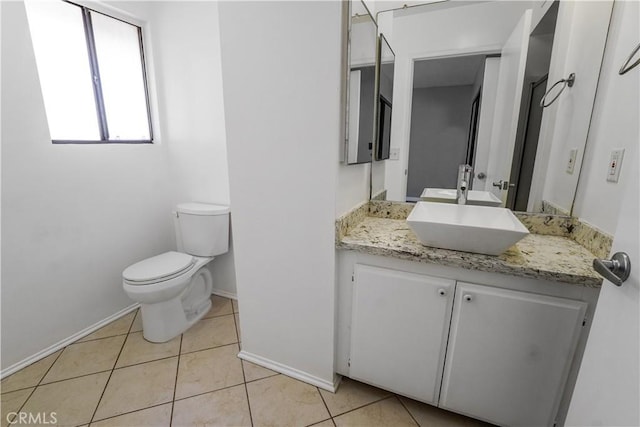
(616, 270)
(442, 292)
(468, 298)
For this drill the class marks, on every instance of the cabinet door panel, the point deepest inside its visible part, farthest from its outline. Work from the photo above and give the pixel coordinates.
(399, 329)
(509, 354)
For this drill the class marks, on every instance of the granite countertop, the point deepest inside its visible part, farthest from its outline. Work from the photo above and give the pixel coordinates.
(539, 256)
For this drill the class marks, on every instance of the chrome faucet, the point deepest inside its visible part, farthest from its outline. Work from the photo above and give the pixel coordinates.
(465, 175)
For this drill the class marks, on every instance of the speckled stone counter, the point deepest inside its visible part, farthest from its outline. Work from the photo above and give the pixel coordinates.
(552, 256)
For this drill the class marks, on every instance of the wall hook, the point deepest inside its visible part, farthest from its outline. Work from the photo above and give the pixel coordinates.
(569, 81)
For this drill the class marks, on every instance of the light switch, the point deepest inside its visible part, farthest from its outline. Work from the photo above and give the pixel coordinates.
(394, 153)
(615, 163)
(571, 163)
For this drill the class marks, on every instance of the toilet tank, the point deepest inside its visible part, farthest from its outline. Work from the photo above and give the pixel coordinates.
(202, 229)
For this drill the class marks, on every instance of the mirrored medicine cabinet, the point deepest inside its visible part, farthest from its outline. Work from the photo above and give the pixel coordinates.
(462, 82)
(370, 89)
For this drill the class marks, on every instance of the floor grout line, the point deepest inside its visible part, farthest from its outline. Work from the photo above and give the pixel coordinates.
(82, 341)
(175, 384)
(127, 413)
(244, 377)
(325, 403)
(38, 384)
(207, 392)
(115, 362)
(407, 409)
(364, 406)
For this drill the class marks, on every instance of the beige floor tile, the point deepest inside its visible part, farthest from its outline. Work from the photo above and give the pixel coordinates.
(254, 372)
(208, 370)
(228, 407)
(137, 322)
(85, 358)
(138, 387)
(427, 415)
(283, 401)
(117, 327)
(236, 306)
(238, 330)
(325, 423)
(158, 416)
(137, 350)
(12, 402)
(351, 395)
(219, 307)
(388, 412)
(209, 333)
(29, 376)
(73, 400)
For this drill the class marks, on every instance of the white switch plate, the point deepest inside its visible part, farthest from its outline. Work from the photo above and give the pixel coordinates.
(571, 163)
(394, 153)
(615, 163)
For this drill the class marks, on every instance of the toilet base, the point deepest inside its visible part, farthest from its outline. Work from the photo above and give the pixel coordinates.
(174, 320)
(165, 320)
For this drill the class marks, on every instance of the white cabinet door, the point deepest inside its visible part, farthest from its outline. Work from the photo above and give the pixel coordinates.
(509, 354)
(399, 330)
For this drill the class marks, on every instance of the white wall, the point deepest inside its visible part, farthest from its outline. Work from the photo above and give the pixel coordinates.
(283, 126)
(352, 186)
(483, 27)
(74, 216)
(83, 213)
(614, 124)
(186, 43)
(439, 135)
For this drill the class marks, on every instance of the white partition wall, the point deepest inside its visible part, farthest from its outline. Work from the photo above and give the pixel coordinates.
(282, 82)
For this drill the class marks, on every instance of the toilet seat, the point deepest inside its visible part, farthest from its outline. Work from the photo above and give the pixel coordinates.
(159, 268)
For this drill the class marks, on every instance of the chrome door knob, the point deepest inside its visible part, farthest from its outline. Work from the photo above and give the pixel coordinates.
(616, 270)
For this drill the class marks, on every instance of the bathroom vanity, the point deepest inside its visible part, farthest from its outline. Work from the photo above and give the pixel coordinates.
(497, 338)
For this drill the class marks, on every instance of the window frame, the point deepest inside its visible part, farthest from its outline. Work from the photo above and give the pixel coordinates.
(97, 83)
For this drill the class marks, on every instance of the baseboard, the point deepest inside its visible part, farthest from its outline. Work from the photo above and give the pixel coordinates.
(331, 386)
(225, 294)
(65, 342)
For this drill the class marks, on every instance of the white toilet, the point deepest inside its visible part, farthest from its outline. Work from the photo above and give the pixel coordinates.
(174, 288)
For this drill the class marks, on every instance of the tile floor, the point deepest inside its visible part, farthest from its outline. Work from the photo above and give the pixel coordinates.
(114, 377)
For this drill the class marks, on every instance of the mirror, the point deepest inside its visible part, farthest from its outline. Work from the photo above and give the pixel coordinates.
(469, 78)
(386, 72)
(386, 64)
(361, 104)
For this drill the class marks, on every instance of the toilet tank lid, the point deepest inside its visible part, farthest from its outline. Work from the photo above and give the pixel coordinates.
(197, 208)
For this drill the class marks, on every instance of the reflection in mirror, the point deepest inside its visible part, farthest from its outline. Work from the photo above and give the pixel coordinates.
(444, 92)
(469, 77)
(361, 122)
(386, 63)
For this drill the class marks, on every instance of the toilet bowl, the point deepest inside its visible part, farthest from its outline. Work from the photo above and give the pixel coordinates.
(174, 288)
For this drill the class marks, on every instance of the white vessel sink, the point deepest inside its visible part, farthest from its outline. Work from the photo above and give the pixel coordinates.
(479, 229)
(448, 195)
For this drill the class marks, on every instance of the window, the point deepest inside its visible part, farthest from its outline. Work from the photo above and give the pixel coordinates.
(92, 74)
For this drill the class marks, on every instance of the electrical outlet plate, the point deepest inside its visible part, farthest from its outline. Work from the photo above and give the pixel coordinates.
(615, 163)
(571, 163)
